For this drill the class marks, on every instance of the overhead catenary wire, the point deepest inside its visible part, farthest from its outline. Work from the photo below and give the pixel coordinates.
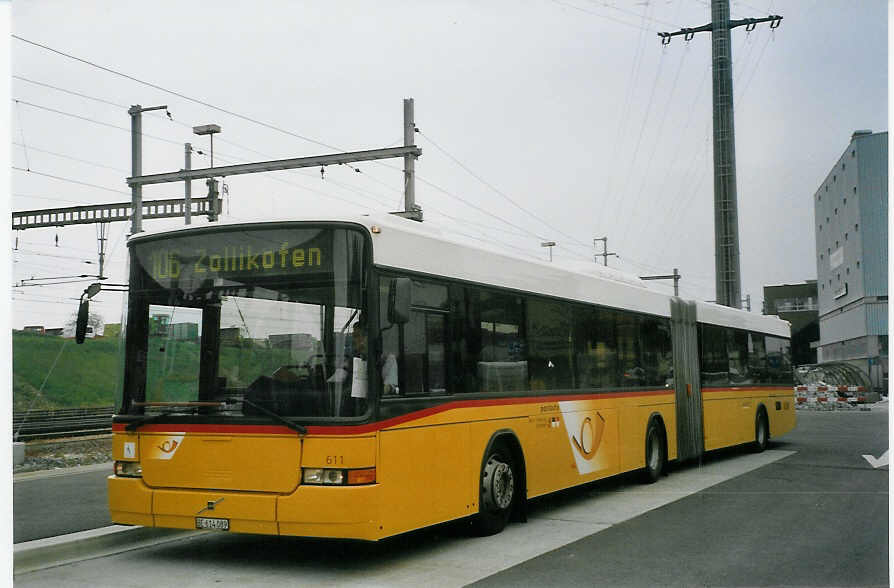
(22, 134)
(622, 120)
(173, 92)
(500, 192)
(69, 157)
(185, 97)
(606, 17)
(655, 142)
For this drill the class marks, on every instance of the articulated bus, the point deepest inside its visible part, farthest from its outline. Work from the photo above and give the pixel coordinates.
(369, 376)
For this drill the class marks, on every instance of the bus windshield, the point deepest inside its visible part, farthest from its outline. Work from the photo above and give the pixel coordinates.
(245, 323)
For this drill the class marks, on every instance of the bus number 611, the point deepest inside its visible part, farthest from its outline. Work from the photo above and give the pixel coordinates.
(335, 460)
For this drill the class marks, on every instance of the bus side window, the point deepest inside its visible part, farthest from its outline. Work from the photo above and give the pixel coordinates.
(714, 359)
(414, 355)
(550, 352)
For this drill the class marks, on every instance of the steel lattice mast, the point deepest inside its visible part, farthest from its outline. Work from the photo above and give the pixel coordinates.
(726, 218)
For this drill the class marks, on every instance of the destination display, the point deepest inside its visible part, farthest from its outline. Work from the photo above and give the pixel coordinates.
(186, 262)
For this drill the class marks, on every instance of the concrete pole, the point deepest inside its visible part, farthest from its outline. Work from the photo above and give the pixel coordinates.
(187, 185)
(136, 166)
(409, 160)
(726, 219)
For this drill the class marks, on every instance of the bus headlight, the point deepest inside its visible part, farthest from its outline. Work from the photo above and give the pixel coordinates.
(128, 469)
(333, 477)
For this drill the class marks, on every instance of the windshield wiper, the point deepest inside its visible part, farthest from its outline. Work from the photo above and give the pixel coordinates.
(153, 418)
(301, 429)
(163, 415)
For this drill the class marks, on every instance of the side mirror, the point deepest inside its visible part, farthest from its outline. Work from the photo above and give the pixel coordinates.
(399, 300)
(81, 326)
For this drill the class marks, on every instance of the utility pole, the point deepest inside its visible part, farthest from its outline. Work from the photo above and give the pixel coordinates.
(605, 253)
(136, 162)
(728, 280)
(410, 209)
(102, 230)
(187, 185)
(675, 277)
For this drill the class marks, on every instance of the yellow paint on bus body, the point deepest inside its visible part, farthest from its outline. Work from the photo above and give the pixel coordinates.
(427, 469)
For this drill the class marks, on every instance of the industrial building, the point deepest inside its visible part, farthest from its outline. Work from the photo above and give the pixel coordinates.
(851, 223)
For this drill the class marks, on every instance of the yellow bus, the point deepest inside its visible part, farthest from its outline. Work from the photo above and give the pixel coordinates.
(367, 376)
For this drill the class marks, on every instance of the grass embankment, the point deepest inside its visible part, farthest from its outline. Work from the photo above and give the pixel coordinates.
(83, 376)
(87, 375)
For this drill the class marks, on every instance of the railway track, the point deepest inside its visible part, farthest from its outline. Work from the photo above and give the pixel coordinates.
(66, 422)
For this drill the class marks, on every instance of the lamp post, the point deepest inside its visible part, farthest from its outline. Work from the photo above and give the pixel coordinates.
(208, 130)
(549, 244)
(212, 183)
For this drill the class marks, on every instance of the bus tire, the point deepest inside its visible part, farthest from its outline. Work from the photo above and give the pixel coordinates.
(496, 491)
(761, 431)
(656, 452)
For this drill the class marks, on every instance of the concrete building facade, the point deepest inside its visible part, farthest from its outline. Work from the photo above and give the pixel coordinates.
(851, 216)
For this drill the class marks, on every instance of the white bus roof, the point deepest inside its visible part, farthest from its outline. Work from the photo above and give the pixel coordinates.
(428, 249)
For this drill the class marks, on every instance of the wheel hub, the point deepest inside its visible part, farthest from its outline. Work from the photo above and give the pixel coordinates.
(498, 485)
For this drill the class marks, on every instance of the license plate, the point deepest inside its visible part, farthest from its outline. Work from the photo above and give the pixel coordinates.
(214, 524)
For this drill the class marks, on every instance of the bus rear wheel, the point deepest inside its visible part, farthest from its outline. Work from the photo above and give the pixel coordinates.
(656, 453)
(496, 492)
(761, 432)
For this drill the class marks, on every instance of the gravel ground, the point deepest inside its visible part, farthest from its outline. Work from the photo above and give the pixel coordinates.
(65, 453)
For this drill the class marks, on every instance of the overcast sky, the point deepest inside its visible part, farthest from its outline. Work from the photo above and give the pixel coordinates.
(560, 120)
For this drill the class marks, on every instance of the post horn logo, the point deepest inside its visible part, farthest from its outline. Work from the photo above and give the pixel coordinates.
(590, 437)
(169, 446)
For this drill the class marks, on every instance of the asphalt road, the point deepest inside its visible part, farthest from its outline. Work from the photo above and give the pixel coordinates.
(817, 518)
(59, 502)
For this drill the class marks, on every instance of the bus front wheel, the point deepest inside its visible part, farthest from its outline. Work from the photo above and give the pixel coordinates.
(497, 492)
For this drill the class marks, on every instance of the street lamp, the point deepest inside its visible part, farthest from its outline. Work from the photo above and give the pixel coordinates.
(211, 183)
(549, 244)
(208, 130)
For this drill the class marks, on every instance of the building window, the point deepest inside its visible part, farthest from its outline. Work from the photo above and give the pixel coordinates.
(836, 211)
(836, 244)
(847, 271)
(829, 250)
(827, 187)
(839, 276)
(858, 265)
(821, 228)
(845, 236)
(853, 152)
(855, 189)
(827, 220)
(842, 166)
(821, 256)
(845, 201)
(834, 177)
(857, 227)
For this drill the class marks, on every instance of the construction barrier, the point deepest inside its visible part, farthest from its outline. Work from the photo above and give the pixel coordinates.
(815, 397)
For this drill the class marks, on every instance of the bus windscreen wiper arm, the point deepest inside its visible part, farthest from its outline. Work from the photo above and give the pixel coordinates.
(150, 419)
(301, 429)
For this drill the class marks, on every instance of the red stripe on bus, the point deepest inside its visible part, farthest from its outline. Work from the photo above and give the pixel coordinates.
(379, 425)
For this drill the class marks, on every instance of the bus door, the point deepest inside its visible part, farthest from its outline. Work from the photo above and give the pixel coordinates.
(687, 384)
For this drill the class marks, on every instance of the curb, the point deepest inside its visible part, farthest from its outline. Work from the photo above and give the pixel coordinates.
(55, 472)
(55, 551)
